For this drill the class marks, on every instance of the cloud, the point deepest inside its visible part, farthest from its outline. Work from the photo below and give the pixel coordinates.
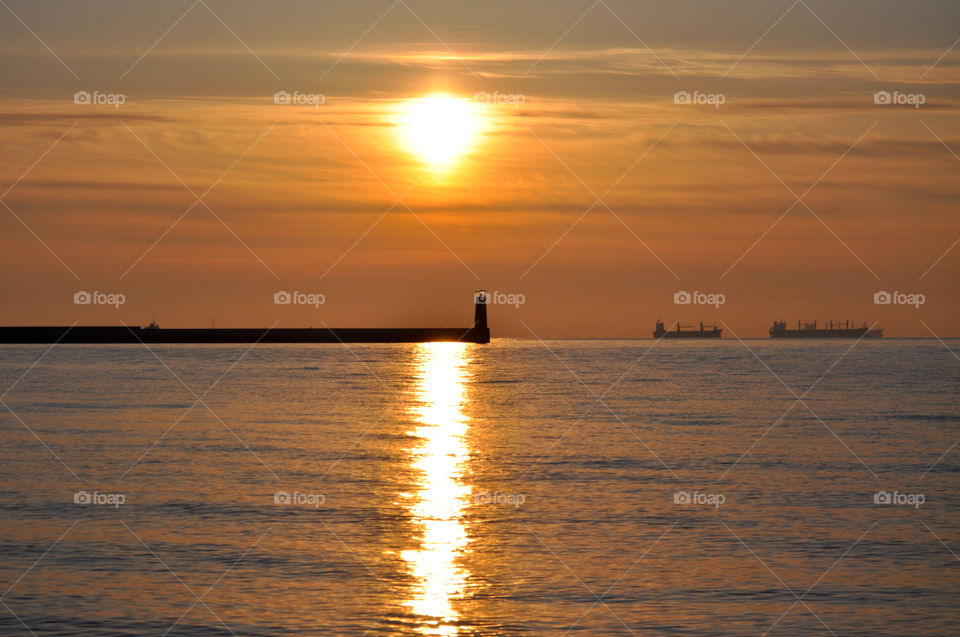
(44, 118)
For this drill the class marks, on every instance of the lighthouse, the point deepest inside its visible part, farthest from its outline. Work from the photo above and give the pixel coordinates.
(480, 300)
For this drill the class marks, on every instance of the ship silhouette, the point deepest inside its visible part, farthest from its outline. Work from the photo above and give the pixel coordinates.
(810, 330)
(687, 331)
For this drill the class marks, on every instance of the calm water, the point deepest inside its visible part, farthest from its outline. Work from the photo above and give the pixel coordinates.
(518, 488)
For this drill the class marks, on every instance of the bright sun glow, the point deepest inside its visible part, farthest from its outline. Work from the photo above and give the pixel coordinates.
(439, 128)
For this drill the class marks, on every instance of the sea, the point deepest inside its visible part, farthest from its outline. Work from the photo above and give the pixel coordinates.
(525, 487)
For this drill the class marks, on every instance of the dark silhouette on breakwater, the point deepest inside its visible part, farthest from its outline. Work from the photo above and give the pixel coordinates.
(686, 331)
(810, 330)
(120, 334)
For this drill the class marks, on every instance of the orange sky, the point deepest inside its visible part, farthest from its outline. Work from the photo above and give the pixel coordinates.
(306, 198)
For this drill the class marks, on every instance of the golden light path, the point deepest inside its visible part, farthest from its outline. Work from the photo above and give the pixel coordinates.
(440, 496)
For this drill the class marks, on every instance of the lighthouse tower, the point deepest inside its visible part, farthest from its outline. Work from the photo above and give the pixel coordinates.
(480, 300)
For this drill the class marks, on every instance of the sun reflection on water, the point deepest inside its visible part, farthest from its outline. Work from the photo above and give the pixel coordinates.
(439, 496)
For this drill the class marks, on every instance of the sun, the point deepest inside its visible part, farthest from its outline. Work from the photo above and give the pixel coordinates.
(439, 128)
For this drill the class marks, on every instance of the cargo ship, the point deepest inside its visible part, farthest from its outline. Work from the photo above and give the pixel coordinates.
(831, 330)
(154, 334)
(687, 331)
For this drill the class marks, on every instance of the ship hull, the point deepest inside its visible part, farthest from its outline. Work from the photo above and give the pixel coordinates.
(135, 334)
(860, 332)
(690, 334)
